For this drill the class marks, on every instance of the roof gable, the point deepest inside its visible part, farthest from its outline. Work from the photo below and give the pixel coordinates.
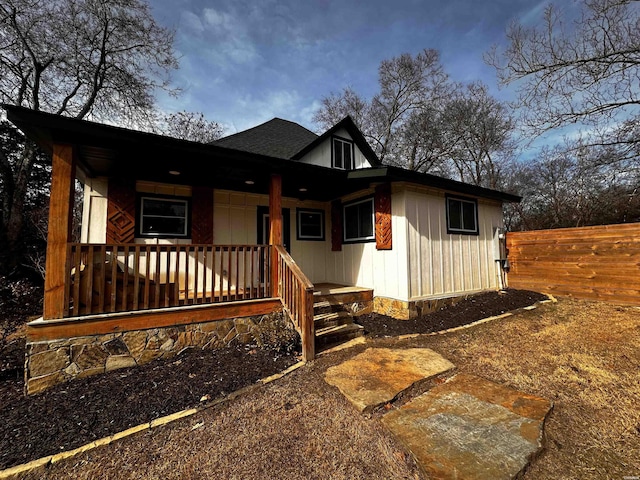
(349, 125)
(275, 138)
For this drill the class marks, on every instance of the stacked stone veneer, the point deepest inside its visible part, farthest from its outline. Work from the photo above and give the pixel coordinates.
(403, 310)
(51, 362)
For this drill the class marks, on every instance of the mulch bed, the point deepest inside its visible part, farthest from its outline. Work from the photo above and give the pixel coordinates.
(472, 309)
(73, 414)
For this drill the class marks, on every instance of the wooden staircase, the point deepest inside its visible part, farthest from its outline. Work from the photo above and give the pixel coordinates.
(332, 314)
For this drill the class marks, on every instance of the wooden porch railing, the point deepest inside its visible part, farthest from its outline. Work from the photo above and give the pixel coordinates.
(296, 292)
(128, 277)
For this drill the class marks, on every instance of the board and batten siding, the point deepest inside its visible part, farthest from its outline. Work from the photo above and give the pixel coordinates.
(385, 271)
(443, 264)
(94, 211)
(321, 155)
(235, 216)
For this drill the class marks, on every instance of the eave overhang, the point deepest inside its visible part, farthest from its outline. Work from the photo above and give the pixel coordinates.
(107, 151)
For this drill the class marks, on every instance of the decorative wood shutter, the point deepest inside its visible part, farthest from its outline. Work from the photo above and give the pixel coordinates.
(121, 211)
(202, 215)
(382, 202)
(336, 226)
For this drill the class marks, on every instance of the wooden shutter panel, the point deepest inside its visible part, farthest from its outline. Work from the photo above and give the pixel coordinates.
(382, 203)
(202, 215)
(121, 211)
(336, 226)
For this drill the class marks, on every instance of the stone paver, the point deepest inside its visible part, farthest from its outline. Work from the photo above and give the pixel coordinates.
(471, 428)
(378, 375)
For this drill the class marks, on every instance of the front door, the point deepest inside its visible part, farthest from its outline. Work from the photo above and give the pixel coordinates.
(263, 227)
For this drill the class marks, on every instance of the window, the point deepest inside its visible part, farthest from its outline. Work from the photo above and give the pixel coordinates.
(462, 215)
(358, 221)
(310, 224)
(164, 217)
(342, 155)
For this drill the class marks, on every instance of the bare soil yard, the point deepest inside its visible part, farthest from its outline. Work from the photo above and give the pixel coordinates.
(584, 356)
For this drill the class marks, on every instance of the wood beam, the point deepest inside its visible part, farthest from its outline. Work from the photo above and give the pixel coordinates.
(275, 228)
(63, 174)
(100, 324)
(275, 210)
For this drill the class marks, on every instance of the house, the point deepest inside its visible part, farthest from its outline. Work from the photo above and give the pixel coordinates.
(190, 244)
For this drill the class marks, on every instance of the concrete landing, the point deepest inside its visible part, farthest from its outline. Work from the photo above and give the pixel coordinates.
(378, 375)
(471, 428)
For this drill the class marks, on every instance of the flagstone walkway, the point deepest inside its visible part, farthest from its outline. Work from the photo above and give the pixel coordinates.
(464, 427)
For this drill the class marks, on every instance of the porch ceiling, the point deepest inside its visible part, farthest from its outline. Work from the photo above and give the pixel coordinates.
(104, 150)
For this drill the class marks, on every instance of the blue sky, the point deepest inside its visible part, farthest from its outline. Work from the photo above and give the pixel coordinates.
(244, 62)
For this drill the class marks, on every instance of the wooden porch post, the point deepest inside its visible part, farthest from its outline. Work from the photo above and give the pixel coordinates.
(275, 228)
(63, 174)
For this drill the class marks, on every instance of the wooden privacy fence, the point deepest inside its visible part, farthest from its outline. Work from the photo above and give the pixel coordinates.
(600, 263)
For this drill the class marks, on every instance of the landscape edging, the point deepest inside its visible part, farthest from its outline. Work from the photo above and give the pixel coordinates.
(13, 472)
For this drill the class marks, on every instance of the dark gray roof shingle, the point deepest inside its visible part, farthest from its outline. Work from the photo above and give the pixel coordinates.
(275, 138)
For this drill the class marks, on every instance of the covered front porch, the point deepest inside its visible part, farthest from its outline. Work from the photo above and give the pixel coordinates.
(123, 284)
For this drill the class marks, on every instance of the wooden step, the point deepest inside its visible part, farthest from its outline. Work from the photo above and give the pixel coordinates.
(338, 334)
(331, 319)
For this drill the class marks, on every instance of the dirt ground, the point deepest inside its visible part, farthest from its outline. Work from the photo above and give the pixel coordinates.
(584, 356)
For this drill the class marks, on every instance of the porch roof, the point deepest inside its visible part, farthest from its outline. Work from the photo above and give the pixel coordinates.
(105, 150)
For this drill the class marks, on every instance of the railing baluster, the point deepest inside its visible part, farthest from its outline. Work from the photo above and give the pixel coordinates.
(125, 279)
(68, 279)
(205, 249)
(167, 275)
(114, 278)
(102, 280)
(136, 276)
(196, 254)
(176, 278)
(89, 276)
(187, 280)
(229, 274)
(147, 280)
(156, 278)
(221, 271)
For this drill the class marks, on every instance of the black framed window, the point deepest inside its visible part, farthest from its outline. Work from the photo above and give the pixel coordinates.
(309, 224)
(359, 219)
(462, 215)
(163, 217)
(342, 153)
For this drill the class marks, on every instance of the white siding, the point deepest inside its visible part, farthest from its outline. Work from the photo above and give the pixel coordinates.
(94, 211)
(443, 264)
(321, 155)
(386, 271)
(235, 221)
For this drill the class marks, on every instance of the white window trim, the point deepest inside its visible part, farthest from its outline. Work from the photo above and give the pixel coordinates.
(475, 216)
(185, 234)
(298, 224)
(373, 222)
(350, 144)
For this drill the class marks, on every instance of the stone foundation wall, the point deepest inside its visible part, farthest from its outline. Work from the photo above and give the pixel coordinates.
(403, 310)
(52, 362)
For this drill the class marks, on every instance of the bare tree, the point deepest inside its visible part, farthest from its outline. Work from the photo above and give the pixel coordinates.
(581, 72)
(407, 85)
(479, 130)
(190, 126)
(102, 58)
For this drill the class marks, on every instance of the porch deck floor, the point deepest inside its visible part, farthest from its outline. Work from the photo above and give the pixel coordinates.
(333, 288)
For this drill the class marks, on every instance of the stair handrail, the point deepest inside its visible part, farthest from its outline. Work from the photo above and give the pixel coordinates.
(296, 293)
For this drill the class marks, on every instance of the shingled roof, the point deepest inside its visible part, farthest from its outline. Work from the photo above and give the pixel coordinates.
(275, 138)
